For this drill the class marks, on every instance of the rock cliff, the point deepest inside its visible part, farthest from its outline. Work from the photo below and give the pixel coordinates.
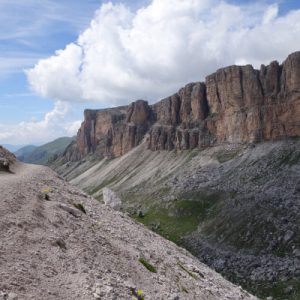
(236, 104)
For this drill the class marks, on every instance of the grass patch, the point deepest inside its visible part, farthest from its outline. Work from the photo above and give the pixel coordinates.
(226, 155)
(289, 158)
(192, 153)
(147, 265)
(277, 290)
(182, 267)
(180, 217)
(80, 207)
(213, 115)
(61, 244)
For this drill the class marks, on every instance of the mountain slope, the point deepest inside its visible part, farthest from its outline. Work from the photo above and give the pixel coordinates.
(42, 154)
(222, 176)
(23, 153)
(54, 248)
(235, 206)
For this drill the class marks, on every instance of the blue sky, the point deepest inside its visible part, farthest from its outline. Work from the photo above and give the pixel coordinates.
(31, 30)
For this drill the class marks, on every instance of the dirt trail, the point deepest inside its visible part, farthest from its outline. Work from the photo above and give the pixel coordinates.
(53, 250)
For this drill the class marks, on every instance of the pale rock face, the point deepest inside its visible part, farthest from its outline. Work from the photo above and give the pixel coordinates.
(111, 199)
(236, 104)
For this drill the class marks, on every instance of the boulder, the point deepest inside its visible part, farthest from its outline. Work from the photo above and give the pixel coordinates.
(111, 199)
(6, 159)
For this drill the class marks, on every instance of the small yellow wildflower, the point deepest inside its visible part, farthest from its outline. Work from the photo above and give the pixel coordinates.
(46, 190)
(140, 293)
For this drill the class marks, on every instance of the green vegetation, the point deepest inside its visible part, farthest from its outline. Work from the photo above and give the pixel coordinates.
(182, 267)
(185, 290)
(290, 158)
(80, 207)
(42, 154)
(213, 115)
(227, 155)
(61, 244)
(193, 153)
(278, 290)
(180, 217)
(147, 265)
(24, 152)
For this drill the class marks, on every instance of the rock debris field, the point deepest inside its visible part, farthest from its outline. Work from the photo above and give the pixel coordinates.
(58, 243)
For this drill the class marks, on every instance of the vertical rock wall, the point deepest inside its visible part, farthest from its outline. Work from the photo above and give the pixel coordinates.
(235, 104)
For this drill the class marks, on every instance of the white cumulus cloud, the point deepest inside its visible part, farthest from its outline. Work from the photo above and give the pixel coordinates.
(151, 52)
(54, 124)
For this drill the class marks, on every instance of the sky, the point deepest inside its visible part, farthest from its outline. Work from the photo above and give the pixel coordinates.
(58, 57)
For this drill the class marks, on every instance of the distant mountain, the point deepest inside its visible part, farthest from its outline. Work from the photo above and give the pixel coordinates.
(12, 148)
(23, 153)
(42, 154)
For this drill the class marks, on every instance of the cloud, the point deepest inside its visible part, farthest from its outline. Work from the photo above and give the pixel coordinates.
(270, 14)
(151, 52)
(61, 79)
(55, 123)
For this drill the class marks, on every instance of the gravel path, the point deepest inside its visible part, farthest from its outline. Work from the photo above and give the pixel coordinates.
(49, 249)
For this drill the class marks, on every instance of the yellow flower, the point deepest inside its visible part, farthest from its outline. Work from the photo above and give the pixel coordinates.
(140, 293)
(46, 190)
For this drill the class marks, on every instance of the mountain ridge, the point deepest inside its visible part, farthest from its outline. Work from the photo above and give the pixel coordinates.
(45, 153)
(236, 104)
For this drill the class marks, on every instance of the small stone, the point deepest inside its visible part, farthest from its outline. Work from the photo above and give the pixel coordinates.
(289, 289)
(96, 296)
(12, 296)
(288, 236)
(141, 214)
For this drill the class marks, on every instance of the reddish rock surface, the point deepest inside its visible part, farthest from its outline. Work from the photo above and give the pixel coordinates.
(236, 104)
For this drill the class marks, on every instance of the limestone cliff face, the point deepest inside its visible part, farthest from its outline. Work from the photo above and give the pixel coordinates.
(235, 104)
(113, 132)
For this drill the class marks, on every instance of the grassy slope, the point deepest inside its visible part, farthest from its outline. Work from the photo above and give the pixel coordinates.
(23, 153)
(42, 154)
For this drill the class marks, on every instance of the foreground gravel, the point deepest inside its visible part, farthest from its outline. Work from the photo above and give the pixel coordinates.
(49, 249)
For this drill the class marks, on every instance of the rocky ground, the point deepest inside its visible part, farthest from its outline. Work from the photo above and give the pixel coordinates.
(6, 159)
(58, 243)
(235, 206)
